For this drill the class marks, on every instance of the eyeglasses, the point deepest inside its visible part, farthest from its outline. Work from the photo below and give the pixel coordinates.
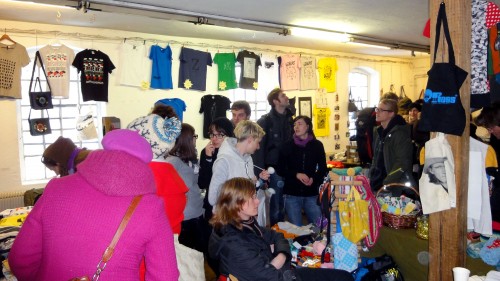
(195, 137)
(217, 136)
(382, 110)
(48, 162)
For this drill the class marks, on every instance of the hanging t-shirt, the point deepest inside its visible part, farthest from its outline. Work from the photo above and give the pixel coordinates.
(57, 62)
(290, 72)
(308, 78)
(250, 62)
(12, 59)
(178, 105)
(135, 67)
(193, 69)
(268, 74)
(327, 68)
(226, 71)
(161, 70)
(213, 106)
(94, 67)
(321, 122)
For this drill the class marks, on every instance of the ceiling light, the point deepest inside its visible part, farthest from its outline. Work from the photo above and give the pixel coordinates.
(320, 34)
(368, 45)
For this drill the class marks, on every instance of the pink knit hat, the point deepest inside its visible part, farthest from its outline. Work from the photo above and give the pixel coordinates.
(130, 142)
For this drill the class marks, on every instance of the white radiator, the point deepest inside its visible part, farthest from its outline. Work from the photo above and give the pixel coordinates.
(11, 200)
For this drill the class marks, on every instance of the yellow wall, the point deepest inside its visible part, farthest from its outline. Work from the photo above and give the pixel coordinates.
(128, 103)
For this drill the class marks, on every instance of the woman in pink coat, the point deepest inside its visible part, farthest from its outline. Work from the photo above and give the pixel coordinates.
(74, 221)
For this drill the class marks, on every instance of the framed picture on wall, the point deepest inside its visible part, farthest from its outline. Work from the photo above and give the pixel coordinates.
(305, 106)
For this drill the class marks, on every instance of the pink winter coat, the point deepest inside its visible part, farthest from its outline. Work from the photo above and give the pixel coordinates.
(76, 217)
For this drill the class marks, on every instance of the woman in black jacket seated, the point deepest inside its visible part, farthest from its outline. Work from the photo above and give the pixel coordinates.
(244, 249)
(250, 252)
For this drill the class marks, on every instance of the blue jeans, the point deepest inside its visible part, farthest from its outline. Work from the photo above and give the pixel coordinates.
(295, 204)
(277, 204)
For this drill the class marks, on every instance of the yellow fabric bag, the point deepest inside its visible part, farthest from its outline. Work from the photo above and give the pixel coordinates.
(354, 216)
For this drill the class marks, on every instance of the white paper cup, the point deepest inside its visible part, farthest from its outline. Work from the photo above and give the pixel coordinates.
(460, 274)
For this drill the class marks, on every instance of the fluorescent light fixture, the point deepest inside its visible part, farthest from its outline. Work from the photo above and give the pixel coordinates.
(320, 34)
(369, 45)
(40, 4)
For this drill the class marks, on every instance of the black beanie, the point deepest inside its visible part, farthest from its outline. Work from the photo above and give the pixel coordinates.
(224, 124)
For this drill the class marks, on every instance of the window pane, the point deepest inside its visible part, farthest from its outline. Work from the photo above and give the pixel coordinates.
(62, 121)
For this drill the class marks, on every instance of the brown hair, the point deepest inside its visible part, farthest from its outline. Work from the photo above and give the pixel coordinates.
(234, 193)
(489, 116)
(165, 111)
(185, 147)
(273, 95)
(242, 104)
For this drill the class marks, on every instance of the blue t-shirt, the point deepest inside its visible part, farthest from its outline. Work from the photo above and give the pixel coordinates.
(193, 69)
(161, 73)
(178, 105)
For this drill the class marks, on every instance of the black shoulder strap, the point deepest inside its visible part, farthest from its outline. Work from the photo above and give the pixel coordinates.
(37, 80)
(442, 19)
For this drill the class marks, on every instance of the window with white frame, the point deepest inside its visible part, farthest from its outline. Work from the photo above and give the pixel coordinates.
(358, 87)
(256, 98)
(63, 118)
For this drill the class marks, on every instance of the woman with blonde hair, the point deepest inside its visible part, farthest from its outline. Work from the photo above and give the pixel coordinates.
(234, 158)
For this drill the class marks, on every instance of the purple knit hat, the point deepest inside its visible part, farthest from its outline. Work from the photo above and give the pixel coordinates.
(130, 142)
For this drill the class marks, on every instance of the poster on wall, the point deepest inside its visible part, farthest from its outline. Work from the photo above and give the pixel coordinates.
(305, 106)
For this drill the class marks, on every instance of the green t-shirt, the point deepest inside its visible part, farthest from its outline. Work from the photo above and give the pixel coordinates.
(227, 75)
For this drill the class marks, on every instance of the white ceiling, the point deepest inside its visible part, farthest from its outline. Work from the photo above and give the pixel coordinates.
(396, 21)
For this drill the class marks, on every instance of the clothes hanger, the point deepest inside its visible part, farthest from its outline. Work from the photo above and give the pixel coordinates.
(6, 37)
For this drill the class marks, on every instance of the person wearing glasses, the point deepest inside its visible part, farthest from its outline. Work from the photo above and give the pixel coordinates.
(62, 156)
(220, 129)
(393, 149)
(184, 159)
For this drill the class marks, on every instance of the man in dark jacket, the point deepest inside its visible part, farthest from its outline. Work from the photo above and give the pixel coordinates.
(392, 157)
(278, 125)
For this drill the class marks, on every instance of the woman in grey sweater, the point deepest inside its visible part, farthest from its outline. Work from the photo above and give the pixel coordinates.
(183, 158)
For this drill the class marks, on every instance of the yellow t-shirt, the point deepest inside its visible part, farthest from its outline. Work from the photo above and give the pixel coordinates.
(321, 121)
(327, 68)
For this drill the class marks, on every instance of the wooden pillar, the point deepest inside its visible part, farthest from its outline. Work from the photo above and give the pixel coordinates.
(447, 230)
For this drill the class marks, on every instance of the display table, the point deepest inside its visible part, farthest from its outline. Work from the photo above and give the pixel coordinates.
(407, 249)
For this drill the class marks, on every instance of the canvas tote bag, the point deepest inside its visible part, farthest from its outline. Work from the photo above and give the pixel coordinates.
(438, 192)
(442, 110)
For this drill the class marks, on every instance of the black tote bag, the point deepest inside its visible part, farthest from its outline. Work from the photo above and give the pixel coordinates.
(442, 110)
(39, 99)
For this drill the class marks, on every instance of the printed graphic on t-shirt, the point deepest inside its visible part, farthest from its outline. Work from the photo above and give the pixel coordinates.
(327, 74)
(291, 70)
(56, 64)
(322, 119)
(7, 68)
(249, 69)
(308, 70)
(93, 68)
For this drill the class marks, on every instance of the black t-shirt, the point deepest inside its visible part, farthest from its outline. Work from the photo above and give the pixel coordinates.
(213, 106)
(250, 63)
(94, 67)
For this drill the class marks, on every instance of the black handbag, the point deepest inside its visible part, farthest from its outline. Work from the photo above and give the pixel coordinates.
(39, 126)
(39, 99)
(442, 110)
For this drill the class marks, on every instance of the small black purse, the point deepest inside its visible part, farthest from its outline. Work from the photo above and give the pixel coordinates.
(41, 99)
(39, 126)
